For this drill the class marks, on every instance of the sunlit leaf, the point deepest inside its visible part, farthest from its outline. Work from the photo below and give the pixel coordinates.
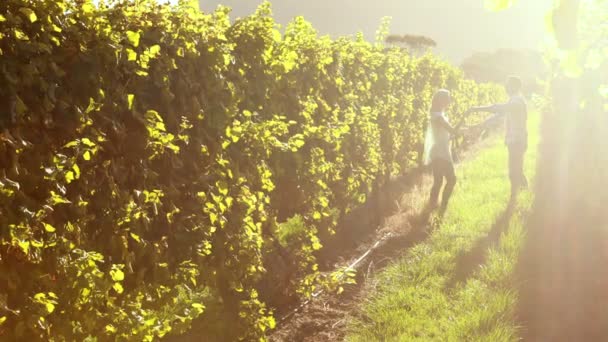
(154, 50)
(55, 40)
(135, 237)
(117, 275)
(133, 38)
(87, 142)
(25, 246)
(21, 35)
(199, 307)
(118, 288)
(498, 5)
(131, 55)
(130, 98)
(49, 228)
(29, 14)
(76, 169)
(58, 199)
(87, 7)
(69, 177)
(222, 187)
(213, 218)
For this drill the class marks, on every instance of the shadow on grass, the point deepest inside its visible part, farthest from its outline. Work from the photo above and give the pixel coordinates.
(469, 262)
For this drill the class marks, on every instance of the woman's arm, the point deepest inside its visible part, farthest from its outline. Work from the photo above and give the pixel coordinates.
(441, 121)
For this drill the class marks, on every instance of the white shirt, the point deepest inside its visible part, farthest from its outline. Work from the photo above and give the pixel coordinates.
(516, 113)
(437, 143)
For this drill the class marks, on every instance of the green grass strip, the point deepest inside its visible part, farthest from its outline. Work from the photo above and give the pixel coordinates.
(417, 299)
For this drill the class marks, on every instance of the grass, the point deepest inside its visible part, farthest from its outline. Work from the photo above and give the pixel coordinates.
(457, 285)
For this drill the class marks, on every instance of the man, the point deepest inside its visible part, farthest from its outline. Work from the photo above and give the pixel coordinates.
(516, 113)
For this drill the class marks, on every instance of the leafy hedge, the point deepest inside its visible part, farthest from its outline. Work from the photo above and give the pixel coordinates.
(155, 159)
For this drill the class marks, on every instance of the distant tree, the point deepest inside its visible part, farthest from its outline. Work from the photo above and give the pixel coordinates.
(414, 43)
(498, 65)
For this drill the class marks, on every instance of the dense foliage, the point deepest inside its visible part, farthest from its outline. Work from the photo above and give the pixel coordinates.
(156, 163)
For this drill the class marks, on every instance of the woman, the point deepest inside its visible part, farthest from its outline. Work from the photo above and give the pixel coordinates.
(438, 153)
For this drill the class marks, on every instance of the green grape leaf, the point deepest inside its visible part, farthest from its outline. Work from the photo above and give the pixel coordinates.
(131, 55)
(20, 35)
(130, 99)
(69, 177)
(118, 288)
(29, 14)
(133, 38)
(49, 228)
(117, 275)
(498, 5)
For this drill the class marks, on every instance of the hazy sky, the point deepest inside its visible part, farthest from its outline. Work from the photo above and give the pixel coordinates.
(460, 27)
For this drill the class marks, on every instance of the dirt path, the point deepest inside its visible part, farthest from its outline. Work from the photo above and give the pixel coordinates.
(325, 317)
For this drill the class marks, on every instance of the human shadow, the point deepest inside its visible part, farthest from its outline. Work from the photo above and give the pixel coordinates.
(468, 262)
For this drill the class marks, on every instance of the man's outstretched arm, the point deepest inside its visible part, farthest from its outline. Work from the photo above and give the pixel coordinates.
(486, 109)
(495, 108)
(499, 111)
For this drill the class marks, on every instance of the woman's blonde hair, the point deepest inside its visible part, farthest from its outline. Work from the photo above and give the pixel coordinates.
(440, 100)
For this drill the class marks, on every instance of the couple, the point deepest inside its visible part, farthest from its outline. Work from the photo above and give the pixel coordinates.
(437, 147)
